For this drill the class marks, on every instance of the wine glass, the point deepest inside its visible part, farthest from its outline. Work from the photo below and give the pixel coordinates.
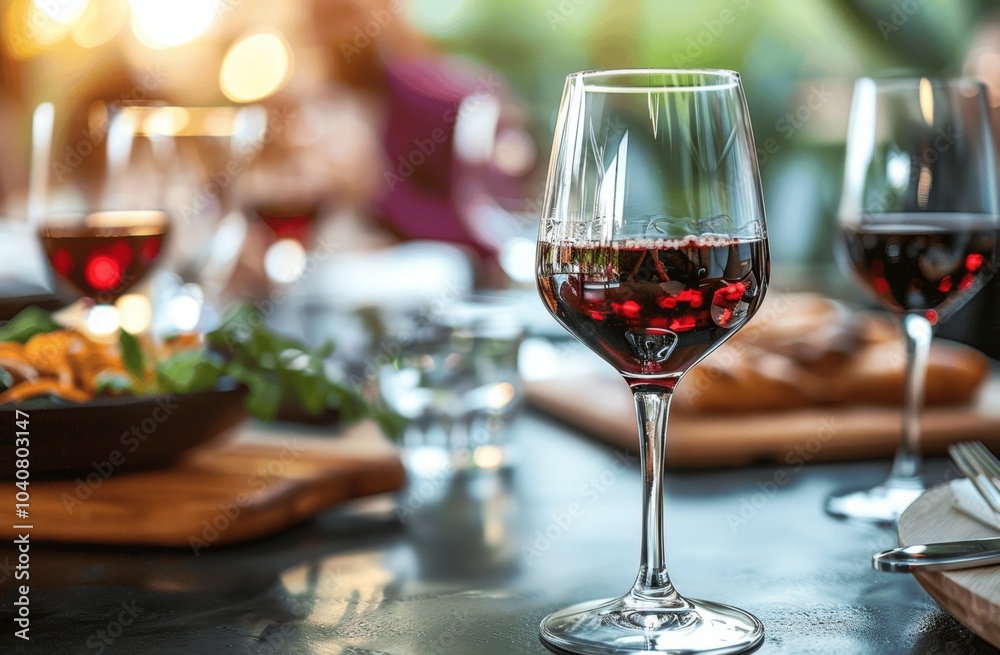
(652, 251)
(918, 231)
(98, 204)
(206, 151)
(295, 182)
(104, 182)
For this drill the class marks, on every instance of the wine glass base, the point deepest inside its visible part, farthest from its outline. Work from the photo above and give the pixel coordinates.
(617, 625)
(882, 504)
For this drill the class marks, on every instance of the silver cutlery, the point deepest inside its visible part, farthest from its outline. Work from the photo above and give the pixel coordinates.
(983, 470)
(981, 467)
(942, 556)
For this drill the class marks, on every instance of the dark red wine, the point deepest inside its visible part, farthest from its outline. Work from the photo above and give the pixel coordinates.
(107, 253)
(932, 263)
(290, 221)
(653, 308)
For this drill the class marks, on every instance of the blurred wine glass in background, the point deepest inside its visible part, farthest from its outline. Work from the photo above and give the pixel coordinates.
(111, 176)
(307, 171)
(209, 149)
(918, 231)
(99, 207)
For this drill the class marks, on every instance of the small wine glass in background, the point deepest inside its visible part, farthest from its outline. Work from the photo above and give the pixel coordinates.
(99, 174)
(918, 230)
(652, 251)
(294, 184)
(98, 204)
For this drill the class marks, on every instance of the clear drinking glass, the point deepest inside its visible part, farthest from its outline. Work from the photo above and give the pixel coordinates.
(652, 251)
(918, 231)
(454, 375)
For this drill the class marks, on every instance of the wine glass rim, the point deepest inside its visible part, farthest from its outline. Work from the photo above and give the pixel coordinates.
(158, 118)
(914, 81)
(727, 79)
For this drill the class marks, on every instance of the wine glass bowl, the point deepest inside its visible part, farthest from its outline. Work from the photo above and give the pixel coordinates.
(652, 251)
(104, 254)
(99, 206)
(292, 186)
(918, 223)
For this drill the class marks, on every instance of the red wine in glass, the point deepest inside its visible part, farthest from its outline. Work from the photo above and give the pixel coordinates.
(290, 221)
(653, 307)
(922, 262)
(103, 255)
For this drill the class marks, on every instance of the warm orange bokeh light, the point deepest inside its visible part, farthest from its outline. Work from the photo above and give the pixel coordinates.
(255, 67)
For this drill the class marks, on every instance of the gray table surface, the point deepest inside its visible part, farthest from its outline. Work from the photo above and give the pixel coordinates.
(470, 566)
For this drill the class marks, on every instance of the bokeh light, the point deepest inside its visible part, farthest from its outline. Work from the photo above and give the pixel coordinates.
(255, 67)
(100, 22)
(62, 11)
(285, 261)
(166, 121)
(162, 24)
(48, 21)
(135, 311)
(184, 312)
(103, 320)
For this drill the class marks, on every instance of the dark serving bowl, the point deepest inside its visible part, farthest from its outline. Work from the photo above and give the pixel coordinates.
(110, 435)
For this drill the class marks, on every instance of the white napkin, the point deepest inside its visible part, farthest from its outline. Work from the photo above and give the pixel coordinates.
(969, 502)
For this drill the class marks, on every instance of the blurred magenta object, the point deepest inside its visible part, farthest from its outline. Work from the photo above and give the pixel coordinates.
(425, 186)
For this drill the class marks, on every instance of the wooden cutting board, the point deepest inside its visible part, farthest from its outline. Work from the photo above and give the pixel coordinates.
(602, 406)
(971, 596)
(257, 483)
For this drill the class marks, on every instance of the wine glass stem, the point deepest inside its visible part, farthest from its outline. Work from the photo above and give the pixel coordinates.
(917, 331)
(652, 404)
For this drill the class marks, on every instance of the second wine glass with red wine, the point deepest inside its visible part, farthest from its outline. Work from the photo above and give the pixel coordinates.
(652, 251)
(918, 231)
(99, 202)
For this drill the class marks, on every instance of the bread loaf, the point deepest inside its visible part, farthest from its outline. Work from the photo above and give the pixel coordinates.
(802, 349)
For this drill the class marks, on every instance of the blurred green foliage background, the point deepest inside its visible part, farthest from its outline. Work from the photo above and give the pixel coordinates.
(798, 61)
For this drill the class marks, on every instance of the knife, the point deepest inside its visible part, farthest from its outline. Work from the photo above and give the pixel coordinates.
(940, 556)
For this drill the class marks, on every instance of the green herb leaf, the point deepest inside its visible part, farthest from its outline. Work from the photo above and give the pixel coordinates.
(392, 424)
(114, 383)
(132, 355)
(26, 324)
(309, 392)
(265, 396)
(282, 372)
(190, 371)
